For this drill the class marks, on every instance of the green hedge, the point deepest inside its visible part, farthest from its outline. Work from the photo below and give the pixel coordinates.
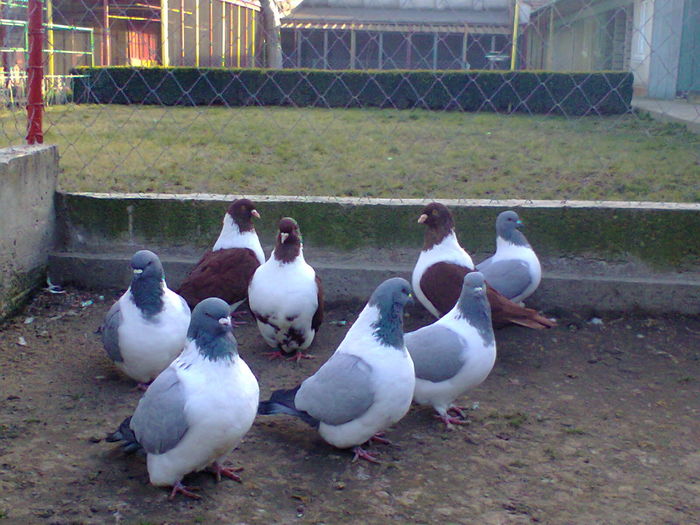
(543, 92)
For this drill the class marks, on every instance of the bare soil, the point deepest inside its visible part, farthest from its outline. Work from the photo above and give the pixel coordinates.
(584, 423)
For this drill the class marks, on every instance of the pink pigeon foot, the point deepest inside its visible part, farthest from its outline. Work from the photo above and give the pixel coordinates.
(360, 453)
(237, 322)
(179, 488)
(450, 420)
(457, 411)
(230, 473)
(279, 354)
(379, 438)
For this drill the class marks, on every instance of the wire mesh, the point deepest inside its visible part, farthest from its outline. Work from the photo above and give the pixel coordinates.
(319, 147)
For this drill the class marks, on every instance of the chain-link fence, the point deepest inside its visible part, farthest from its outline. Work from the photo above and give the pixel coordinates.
(417, 98)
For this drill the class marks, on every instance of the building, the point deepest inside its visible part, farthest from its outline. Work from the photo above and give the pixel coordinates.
(397, 34)
(657, 40)
(206, 33)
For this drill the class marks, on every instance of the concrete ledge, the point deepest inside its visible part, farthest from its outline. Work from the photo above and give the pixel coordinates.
(27, 185)
(596, 256)
(354, 282)
(657, 236)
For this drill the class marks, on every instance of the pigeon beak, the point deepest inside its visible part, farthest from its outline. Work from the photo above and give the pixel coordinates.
(138, 271)
(255, 214)
(283, 237)
(225, 321)
(520, 223)
(422, 218)
(478, 289)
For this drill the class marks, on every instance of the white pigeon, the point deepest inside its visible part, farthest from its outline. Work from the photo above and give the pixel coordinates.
(198, 410)
(514, 270)
(366, 385)
(286, 296)
(146, 328)
(455, 353)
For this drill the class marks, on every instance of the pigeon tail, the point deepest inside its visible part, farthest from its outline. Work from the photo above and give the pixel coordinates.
(282, 402)
(124, 433)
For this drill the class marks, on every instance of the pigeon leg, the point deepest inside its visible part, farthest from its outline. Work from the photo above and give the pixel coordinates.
(179, 488)
(279, 354)
(230, 473)
(379, 438)
(361, 453)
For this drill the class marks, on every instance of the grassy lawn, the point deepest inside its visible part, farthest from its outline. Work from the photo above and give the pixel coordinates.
(369, 152)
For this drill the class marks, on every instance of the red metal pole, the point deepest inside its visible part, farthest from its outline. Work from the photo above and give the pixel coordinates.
(35, 72)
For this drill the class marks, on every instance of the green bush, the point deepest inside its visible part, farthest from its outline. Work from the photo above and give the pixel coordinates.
(543, 92)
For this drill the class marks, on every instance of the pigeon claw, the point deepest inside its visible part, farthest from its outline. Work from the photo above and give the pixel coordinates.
(230, 473)
(361, 453)
(179, 488)
(279, 354)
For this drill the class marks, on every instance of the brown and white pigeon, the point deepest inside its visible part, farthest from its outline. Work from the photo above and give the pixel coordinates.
(225, 270)
(442, 265)
(286, 296)
(514, 270)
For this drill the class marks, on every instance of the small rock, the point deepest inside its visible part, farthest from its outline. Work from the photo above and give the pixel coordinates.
(596, 321)
(339, 485)
(21, 341)
(29, 320)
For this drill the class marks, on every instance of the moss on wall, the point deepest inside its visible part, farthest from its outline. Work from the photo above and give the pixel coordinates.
(659, 237)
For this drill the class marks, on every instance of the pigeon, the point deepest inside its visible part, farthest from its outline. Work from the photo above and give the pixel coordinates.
(147, 327)
(455, 353)
(366, 385)
(286, 296)
(198, 409)
(225, 270)
(442, 265)
(514, 270)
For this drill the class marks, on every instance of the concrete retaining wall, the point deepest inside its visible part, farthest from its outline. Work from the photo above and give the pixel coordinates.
(27, 185)
(596, 257)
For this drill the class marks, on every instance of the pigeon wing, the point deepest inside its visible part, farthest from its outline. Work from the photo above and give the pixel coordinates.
(223, 273)
(510, 277)
(159, 421)
(339, 392)
(437, 352)
(441, 284)
(110, 333)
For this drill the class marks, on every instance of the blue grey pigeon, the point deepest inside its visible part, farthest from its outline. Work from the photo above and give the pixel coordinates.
(199, 408)
(455, 353)
(514, 270)
(366, 385)
(286, 296)
(146, 328)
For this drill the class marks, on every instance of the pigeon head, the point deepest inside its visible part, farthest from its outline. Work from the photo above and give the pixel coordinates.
(288, 244)
(508, 226)
(389, 298)
(146, 265)
(439, 221)
(242, 212)
(473, 305)
(147, 282)
(211, 329)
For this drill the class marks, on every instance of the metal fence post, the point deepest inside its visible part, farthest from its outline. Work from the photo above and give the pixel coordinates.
(35, 73)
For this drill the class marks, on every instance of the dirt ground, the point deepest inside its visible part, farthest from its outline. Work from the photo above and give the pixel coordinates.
(585, 423)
